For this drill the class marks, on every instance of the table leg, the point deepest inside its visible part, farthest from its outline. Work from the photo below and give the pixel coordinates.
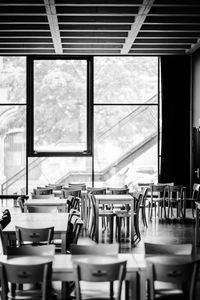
(63, 246)
(97, 221)
(132, 222)
(197, 227)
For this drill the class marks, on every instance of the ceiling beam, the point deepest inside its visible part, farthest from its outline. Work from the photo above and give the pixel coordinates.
(53, 24)
(136, 26)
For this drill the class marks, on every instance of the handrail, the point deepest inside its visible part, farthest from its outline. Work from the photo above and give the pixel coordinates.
(9, 182)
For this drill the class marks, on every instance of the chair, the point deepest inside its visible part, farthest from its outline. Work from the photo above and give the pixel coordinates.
(28, 250)
(74, 227)
(19, 274)
(20, 201)
(96, 190)
(157, 200)
(99, 271)
(143, 205)
(43, 191)
(171, 277)
(194, 197)
(103, 213)
(167, 249)
(55, 187)
(96, 249)
(42, 209)
(124, 214)
(73, 203)
(77, 185)
(5, 219)
(34, 236)
(66, 191)
(175, 198)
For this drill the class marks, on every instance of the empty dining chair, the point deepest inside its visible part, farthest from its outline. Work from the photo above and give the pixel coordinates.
(5, 218)
(171, 277)
(74, 228)
(157, 200)
(18, 271)
(42, 209)
(66, 191)
(34, 236)
(124, 215)
(95, 249)
(94, 224)
(167, 249)
(43, 191)
(175, 199)
(28, 250)
(77, 185)
(195, 196)
(20, 201)
(99, 270)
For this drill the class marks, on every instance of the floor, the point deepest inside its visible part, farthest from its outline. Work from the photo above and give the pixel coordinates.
(170, 232)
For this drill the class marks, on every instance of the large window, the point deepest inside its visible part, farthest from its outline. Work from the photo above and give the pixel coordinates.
(12, 124)
(125, 120)
(88, 120)
(59, 119)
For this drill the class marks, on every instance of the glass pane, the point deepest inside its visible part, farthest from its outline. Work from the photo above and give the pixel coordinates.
(59, 170)
(125, 139)
(12, 79)
(126, 79)
(12, 149)
(60, 94)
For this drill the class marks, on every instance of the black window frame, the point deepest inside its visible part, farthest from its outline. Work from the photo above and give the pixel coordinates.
(30, 108)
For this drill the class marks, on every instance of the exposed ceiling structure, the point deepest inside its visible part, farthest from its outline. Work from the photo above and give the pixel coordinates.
(99, 27)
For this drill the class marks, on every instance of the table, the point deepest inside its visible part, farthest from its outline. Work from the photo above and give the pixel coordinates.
(111, 199)
(38, 220)
(60, 204)
(62, 269)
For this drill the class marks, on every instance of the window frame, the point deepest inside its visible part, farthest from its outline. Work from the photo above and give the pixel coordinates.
(30, 108)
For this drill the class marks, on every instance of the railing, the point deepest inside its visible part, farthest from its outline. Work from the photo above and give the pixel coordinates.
(121, 162)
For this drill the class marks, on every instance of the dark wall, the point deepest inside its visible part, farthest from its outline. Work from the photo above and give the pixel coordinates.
(196, 88)
(175, 160)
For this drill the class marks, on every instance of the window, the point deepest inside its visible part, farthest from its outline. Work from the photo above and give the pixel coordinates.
(125, 121)
(60, 107)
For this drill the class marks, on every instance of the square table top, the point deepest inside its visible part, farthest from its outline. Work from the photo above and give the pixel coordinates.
(38, 220)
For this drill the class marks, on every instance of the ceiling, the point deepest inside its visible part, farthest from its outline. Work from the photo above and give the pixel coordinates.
(112, 27)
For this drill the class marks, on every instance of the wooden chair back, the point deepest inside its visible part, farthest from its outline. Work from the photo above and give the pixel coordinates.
(42, 209)
(20, 201)
(43, 191)
(75, 225)
(29, 250)
(99, 249)
(34, 235)
(26, 274)
(179, 273)
(167, 249)
(119, 191)
(66, 191)
(96, 190)
(81, 186)
(94, 272)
